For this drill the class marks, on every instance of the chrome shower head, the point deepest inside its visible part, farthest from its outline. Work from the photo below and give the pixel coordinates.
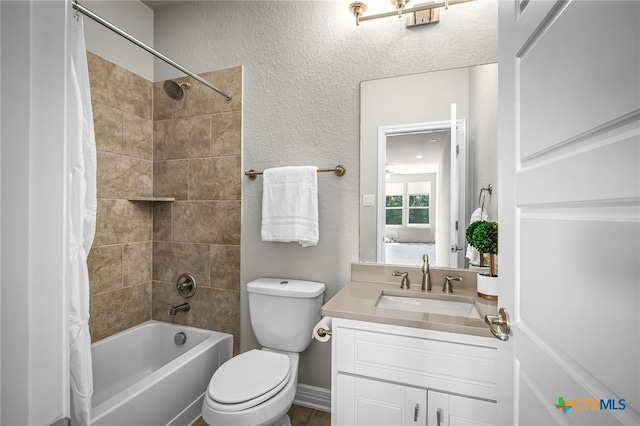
(174, 90)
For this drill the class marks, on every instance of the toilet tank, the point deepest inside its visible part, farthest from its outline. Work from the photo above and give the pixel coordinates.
(283, 312)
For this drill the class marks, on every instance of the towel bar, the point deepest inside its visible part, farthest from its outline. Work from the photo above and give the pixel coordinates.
(339, 170)
(483, 194)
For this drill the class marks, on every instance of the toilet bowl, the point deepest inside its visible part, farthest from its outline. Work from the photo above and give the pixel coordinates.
(258, 387)
(256, 399)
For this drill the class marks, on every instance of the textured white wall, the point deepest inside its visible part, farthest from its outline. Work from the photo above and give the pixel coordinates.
(303, 63)
(133, 17)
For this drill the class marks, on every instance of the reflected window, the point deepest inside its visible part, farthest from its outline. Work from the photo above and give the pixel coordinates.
(408, 203)
(419, 209)
(394, 209)
(419, 194)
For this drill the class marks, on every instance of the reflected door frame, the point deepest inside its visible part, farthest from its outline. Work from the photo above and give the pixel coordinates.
(458, 167)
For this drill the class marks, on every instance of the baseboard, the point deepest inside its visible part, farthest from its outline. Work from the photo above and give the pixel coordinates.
(313, 397)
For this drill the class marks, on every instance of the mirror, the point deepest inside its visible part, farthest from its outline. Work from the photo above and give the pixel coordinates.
(409, 206)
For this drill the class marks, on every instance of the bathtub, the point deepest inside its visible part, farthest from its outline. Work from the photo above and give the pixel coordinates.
(141, 377)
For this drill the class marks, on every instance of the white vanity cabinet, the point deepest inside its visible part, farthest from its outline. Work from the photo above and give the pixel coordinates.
(366, 402)
(393, 375)
(455, 410)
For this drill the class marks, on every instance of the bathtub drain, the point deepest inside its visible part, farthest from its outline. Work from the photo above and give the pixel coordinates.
(180, 338)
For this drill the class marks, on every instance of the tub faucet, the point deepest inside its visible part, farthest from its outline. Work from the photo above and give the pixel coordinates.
(426, 279)
(179, 308)
(404, 285)
(448, 287)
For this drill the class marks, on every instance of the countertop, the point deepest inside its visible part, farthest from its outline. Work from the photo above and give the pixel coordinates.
(357, 301)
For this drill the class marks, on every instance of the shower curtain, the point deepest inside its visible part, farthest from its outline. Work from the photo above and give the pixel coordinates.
(81, 175)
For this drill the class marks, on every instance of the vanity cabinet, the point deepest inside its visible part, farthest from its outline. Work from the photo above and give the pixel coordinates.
(455, 410)
(366, 402)
(393, 375)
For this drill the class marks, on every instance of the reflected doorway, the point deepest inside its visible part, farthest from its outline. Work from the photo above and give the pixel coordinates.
(419, 192)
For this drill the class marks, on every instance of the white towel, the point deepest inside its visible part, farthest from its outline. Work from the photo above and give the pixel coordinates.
(290, 205)
(472, 254)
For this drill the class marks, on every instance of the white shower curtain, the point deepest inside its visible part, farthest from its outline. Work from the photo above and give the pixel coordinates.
(81, 174)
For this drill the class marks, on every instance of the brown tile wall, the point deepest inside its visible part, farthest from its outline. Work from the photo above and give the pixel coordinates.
(197, 159)
(151, 145)
(120, 261)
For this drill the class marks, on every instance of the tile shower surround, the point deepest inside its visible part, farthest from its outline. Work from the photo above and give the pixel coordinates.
(150, 145)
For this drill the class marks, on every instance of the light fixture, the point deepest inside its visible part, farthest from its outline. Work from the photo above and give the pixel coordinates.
(399, 4)
(357, 9)
(420, 14)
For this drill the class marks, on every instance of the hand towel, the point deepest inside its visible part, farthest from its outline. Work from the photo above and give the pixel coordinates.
(472, 254)
(290, 205)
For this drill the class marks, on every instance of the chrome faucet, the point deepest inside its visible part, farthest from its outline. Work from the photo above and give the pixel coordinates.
(426, 279)
(404, 285)
(448, 287)
(179, 308)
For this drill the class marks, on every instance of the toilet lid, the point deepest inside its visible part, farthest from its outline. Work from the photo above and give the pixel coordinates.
(249, 379)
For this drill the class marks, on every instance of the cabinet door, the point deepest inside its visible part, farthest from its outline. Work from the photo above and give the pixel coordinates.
(365, 402)
(453, 410)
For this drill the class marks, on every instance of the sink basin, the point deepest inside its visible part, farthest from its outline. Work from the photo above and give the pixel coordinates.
(442, 306)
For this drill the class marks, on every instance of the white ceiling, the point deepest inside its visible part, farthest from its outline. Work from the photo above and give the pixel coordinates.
(162, 4)
(402, 151)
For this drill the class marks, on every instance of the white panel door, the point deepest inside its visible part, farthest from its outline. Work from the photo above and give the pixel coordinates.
(569, 161)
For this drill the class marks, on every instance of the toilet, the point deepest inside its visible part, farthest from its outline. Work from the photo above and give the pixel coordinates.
(258, 387)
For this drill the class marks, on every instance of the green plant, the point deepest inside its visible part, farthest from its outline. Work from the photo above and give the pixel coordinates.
(469, 237)
(470, 230)
(484, 238)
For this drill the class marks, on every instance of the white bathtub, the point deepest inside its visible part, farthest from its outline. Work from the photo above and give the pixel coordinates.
(141, 377)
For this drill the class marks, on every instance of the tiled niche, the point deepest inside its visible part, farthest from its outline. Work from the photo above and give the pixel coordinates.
(150, 145)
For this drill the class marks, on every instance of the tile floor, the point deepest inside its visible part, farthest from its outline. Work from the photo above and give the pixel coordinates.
(303, 416)
(300, 416)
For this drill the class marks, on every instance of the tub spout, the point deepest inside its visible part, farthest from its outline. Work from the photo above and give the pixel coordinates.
(180, 308)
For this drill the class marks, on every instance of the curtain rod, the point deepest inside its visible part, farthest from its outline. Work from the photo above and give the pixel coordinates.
(78, 7)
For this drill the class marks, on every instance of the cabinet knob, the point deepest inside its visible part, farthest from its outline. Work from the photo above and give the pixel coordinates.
(438, 417)
(415, 413)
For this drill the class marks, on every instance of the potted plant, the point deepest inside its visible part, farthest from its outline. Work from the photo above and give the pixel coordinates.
(476, 260)
(484, 238)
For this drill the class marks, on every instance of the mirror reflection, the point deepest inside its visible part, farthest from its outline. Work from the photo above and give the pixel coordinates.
(428, 146)
(422, 183)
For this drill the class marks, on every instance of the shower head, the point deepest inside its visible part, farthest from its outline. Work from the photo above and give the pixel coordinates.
(174, 90)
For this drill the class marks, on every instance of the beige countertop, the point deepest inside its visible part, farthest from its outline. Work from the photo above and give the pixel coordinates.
(357, 301)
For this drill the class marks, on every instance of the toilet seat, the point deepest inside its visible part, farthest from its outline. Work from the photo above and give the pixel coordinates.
(248, 380)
